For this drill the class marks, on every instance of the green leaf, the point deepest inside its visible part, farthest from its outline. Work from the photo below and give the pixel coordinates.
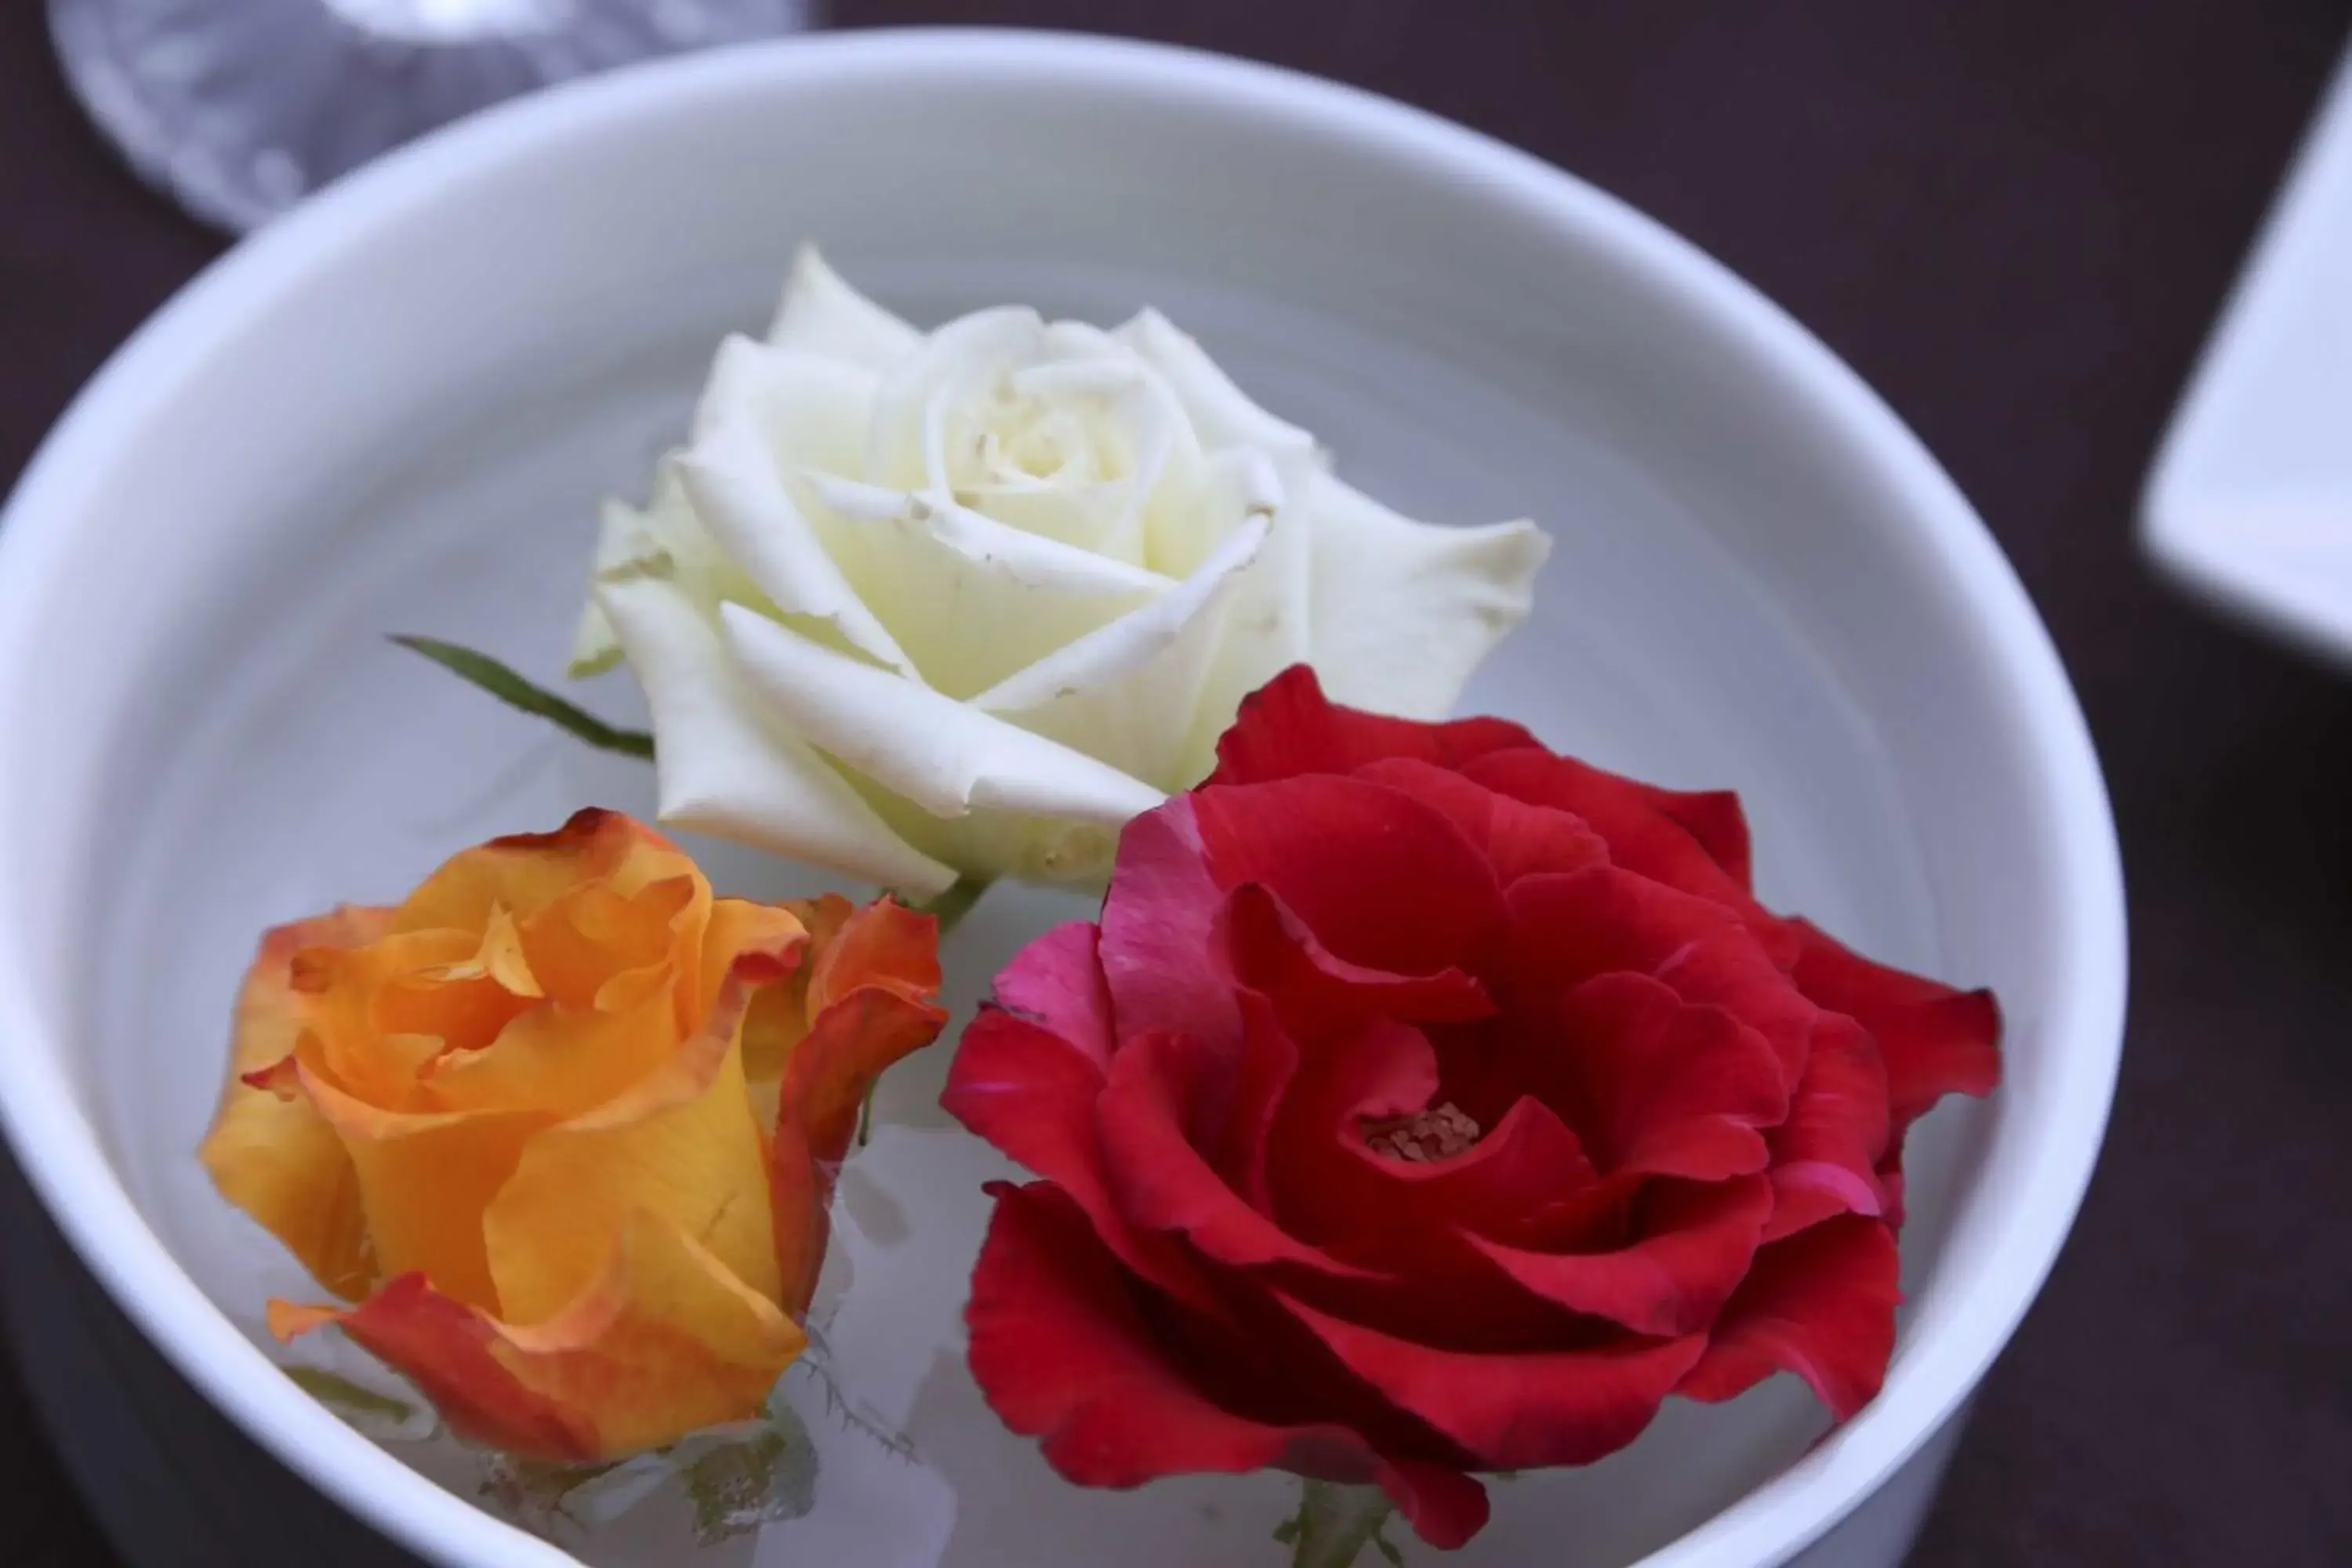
(516, 692)
(340, 1393)
(740, 1485)
(535, 1493)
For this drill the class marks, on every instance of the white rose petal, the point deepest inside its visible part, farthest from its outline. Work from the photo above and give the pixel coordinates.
(1403, 612)
(918, 604)
(743, 502)
(725, 770)
(946, 756)
(823, 315)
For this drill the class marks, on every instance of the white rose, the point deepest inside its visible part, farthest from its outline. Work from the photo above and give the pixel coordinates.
(911, 606)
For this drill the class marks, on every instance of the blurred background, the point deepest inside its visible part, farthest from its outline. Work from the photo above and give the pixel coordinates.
(2017, 220)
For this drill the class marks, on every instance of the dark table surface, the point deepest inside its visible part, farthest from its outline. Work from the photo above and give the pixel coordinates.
(2016, 218)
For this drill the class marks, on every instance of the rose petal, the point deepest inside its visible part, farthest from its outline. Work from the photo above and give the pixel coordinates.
(1519, 839)
(1288, 727)
(1269, 949)
(944, 756)
(1220, 412)
(1933, 1040)
(1112, 691)
(1158, 929)
(1660, 1087)
(802, 410)
(1032, 1095)
(971, 600)
(1825, 1155)
(663, 1341)
(444, 1348)
(563, 1060)
(738, 495)
(871, 994)
(1057, 983)
(1162, 1092)
(425, 1180)
(1697, 1247)
(1381, 878)
(1404, 611)
(1444, 1507)
(271, 1153)
(681, 1145)
(820, 314)
(1270, 610)
(725, 769)
(1062, 1353)
(1649, 831)
(1513, 1411)
(665, 540)
(1316, 1159)
(1819, 1304)
(1566, 928)
(523, 873)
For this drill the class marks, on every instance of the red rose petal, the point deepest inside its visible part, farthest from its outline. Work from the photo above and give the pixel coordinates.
(1314, 1152)
(1288, 727)
(1819, 1304)
(1713, 817)
(1444, 1507)
(1032, 1094)
(1529, 1165)
(1661, 1087)
(1163, 1092)
(1521, 1410)
(1567, 929)
(1269, 949)
(1061, 1352)
(1519, 839)
(1157, 923)
(1672, 1281)
(1268, 1065)
(1057, 980)
(1825, 1155)
(1381, 878)
(1934, 1040)
(1654, 832)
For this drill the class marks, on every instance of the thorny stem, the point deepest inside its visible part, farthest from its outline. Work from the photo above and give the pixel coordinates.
(1334, 1524)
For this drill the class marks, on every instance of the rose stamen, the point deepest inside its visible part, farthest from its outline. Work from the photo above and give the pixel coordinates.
(1436, 1134)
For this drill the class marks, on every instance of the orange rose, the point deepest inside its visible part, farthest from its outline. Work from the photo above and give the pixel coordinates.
(564, 1126)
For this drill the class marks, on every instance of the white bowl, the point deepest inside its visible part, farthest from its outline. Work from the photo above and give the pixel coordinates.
(393, 410)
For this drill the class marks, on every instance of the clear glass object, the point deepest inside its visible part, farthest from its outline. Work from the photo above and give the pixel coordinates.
(239, 108)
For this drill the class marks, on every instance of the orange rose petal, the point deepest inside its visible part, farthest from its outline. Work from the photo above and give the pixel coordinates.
(560, 1060)
(424, 1179)
(580, 941)
(527, 871)
(737, 927)
(870, 992)
(445, 1349)
(883, 944)
(269, 1152)
(682, 1144)
(663, 1341)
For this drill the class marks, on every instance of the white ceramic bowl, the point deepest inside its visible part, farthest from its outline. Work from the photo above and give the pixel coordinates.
(393, 411)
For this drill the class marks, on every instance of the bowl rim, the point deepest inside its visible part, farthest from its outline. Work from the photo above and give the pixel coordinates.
(60, 1152)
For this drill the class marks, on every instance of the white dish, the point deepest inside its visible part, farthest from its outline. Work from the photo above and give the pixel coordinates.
(395, 410)
(2251, 500)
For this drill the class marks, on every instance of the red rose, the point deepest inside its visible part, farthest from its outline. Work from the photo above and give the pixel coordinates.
(1426, 1102)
